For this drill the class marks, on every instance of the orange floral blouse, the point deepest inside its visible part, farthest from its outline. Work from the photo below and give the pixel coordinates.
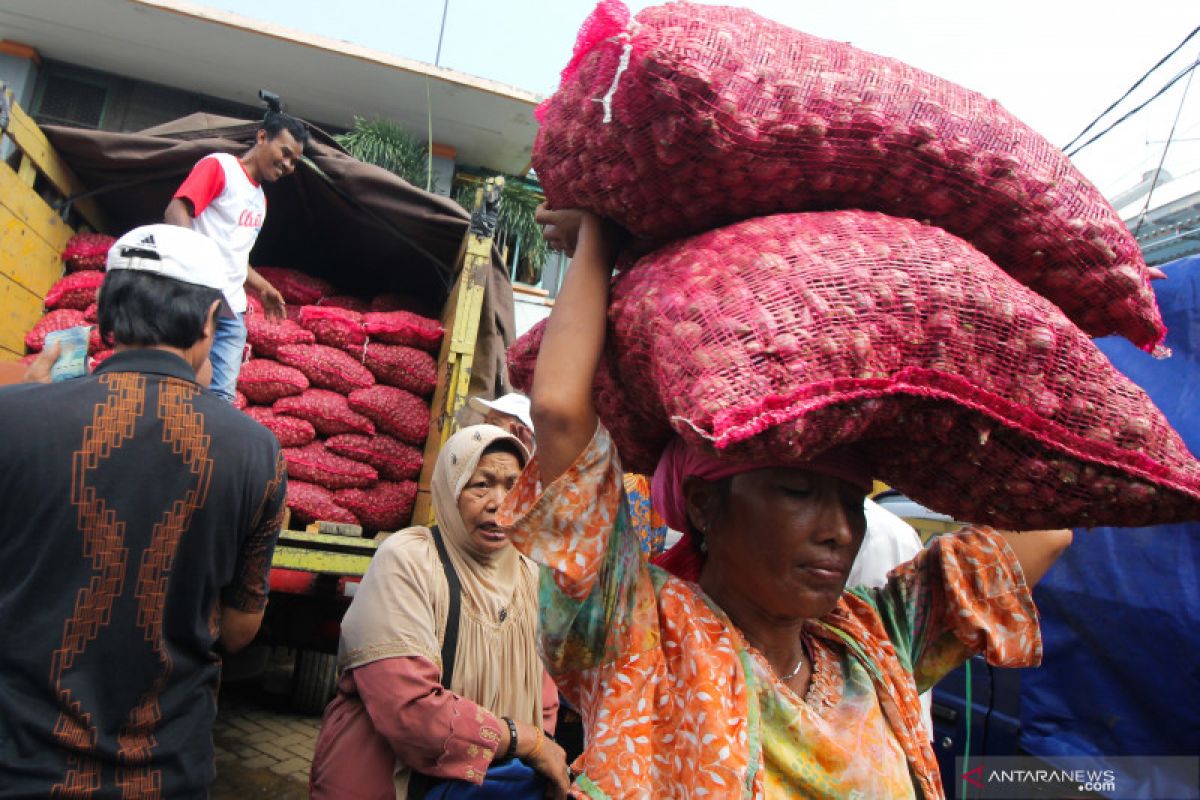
(677, 704)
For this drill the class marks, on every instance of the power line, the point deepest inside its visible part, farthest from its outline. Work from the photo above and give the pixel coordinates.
(1166, 147)
(1183, 74)
(437, 59)
(1131, 89)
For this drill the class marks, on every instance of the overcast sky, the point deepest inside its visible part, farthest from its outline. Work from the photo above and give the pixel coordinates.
(1054, 63)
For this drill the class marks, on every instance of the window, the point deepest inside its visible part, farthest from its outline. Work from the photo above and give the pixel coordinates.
(68, 101)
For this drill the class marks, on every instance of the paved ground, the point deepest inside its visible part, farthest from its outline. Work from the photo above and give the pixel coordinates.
(263, 750)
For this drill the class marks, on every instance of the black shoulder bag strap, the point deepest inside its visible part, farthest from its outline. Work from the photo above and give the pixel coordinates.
(420, 784)
(450, 640)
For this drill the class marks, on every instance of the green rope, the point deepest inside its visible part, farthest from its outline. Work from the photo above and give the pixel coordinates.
(967, 745)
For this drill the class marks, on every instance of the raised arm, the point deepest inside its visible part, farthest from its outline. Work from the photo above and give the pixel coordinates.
(562, 409)
(179, 212)
(1037, 550)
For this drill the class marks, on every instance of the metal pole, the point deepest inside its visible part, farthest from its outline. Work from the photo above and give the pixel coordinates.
(437, 59)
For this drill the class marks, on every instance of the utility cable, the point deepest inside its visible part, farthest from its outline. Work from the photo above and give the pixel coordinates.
(1184, 73)
(1166, 147)
(1131, 89)
(437, 62)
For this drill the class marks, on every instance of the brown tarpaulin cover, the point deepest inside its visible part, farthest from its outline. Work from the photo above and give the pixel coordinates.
(356, 225)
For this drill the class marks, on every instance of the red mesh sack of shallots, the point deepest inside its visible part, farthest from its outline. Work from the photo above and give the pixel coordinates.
(266, 336)
(87, 251)
(394, 411)
(346, 301)
(641, 436)
(403, 367)
(314, 464)
(403, 327)
(264, 381)
(56, 320)
(336, 327)
(290, 431)
(75, 290)
(778, 339)
(298, 288)
(694, 116)
(392, 458)
(92, 313)
(312, 503)
(329, 412)
(239, 400)
(386, 506)
(326, 367)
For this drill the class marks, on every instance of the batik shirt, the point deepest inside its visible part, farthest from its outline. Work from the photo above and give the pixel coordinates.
(677, 703)
(135, 506)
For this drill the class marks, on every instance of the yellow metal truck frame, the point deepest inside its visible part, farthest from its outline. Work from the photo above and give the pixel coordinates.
(461, 321)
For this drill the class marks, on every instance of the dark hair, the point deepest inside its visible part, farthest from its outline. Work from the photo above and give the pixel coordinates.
(276, 121)
(718, 503)
(506, 446)
(142, 309)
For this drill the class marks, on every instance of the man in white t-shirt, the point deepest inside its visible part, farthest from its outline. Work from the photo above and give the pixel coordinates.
(223, 198)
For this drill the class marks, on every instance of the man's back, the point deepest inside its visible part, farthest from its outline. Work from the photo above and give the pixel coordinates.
(134, 506)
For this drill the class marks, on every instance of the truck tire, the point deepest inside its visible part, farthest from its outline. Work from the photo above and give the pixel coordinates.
(314, 680)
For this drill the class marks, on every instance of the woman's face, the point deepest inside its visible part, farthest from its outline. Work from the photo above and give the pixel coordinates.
(482, 495)
(782, 539)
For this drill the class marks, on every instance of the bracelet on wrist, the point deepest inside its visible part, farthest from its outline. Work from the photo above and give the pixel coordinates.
(512, 737)
(537, 748)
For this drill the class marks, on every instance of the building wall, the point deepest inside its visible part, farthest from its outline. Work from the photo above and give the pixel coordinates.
(19, 74)
(67, 94)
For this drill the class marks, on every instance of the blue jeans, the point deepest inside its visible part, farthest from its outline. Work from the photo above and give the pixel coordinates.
(226, 356)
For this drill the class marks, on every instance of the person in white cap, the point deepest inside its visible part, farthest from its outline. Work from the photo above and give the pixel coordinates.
(510, 412)
(141, 515)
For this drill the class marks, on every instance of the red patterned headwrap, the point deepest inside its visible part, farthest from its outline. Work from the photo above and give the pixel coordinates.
(680, 462)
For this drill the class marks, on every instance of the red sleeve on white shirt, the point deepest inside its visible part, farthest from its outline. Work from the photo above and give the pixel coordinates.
(202, 185)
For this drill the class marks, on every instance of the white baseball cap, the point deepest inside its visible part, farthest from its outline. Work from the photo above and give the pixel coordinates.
(514, 404)
(173, 252)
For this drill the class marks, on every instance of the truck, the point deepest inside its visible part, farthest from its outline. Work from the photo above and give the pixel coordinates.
(358, 225)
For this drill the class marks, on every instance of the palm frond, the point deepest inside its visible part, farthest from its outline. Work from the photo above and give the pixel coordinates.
(386, 144)
(515, 223)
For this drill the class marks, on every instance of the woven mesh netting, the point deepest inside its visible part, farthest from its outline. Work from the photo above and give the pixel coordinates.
(780, 338)
(87, 251)
(297, 287)
(717, 114)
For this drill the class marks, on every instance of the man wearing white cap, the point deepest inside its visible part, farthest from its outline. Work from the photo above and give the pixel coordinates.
(140, 517)
(510, 412)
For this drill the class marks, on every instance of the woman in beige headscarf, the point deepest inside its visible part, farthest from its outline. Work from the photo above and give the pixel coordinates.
(392, 716)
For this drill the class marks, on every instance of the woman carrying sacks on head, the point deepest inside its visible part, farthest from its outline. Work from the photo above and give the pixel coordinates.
(764, 677)
(396, 728)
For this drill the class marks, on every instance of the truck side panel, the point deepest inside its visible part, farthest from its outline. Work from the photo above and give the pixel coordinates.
(32, 233)
(31, 238)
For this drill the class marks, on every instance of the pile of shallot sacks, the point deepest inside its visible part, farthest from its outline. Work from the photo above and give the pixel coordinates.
(836, 250)
(72, 300)
(344, 384)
